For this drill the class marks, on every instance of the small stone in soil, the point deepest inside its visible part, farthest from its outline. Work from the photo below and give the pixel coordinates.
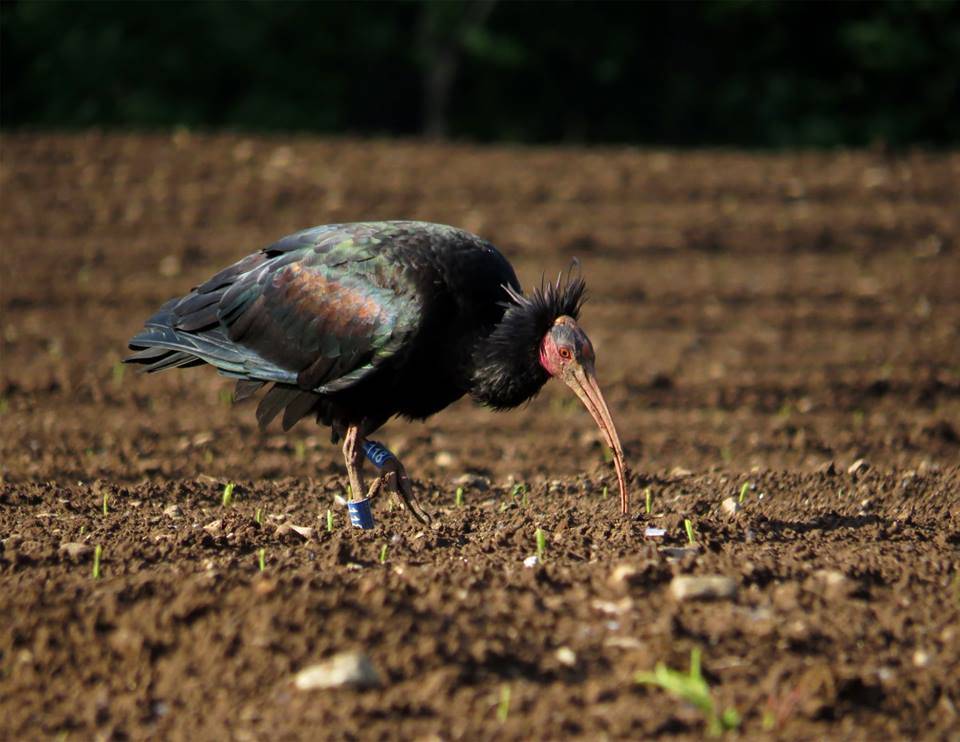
(347, 668)
(679, 552)
(75, 550)
(472, 481)
(283, 529)
(703, 587)
(566, 656)
(730, 506)
(858, 467)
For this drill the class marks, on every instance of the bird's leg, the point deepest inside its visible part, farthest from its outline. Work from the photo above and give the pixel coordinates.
(353, 454)
(393, 477)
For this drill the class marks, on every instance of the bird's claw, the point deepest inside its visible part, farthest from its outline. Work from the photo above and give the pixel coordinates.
(393, 477)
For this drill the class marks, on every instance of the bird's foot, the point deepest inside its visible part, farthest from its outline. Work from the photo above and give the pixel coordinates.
(393, 478)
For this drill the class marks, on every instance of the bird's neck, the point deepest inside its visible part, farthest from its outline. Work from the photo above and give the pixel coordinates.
(506, 369)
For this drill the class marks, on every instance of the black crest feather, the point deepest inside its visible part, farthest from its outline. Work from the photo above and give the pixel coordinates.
(565, 297)
(507, 370)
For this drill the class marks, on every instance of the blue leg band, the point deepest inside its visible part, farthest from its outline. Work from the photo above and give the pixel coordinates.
(377, 453)
(360, 514)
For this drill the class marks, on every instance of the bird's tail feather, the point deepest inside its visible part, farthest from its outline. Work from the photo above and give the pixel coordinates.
(159, 347)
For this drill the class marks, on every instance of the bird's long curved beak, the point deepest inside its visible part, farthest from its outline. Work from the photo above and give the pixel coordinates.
(583, 381)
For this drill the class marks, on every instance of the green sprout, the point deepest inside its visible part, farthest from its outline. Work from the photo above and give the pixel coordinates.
(258, 516)
(519, 490)
(383, 554)
(694, 690)
(262, 559)
(227, 494)
(743, 491)
(329, 520)
(119, 369)
(503, 708)
(688, 525)
(769, 721)
(648, 500)
(226, 397)
(458, 498)
(541, 543)
(106, 499)
(97, 553)
(606, 492)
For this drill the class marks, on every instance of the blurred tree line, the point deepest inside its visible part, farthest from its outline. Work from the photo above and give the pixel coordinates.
(738, 72)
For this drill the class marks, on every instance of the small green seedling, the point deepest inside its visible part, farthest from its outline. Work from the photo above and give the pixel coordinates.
(258, 516)
(262, 559)
(688, 525)
(106, 499)
(541, 543)
(228, 494)
(503, 708)
(769, 721)
(383, 554)
(97, 553)
(300, 450)
(648, 500)
(606, 492)
(329, 520)
(519, 491)
(118, 371)
(694, 690)
(458, 498)
(743, 491)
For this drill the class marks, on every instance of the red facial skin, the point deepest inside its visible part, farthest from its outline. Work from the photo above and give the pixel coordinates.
(564, 344)
(567, 353)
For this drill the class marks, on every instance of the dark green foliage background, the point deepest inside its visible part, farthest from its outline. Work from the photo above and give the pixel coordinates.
(678, 73)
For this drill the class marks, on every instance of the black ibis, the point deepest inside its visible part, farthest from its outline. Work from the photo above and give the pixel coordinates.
(356, 323)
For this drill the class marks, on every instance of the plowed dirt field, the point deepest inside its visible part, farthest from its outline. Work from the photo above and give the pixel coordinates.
(789, 321)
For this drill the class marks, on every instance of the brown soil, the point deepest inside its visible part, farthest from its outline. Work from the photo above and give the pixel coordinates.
(769, 319)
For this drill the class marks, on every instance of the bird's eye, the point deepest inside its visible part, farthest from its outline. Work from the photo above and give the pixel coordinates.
(565, 354)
